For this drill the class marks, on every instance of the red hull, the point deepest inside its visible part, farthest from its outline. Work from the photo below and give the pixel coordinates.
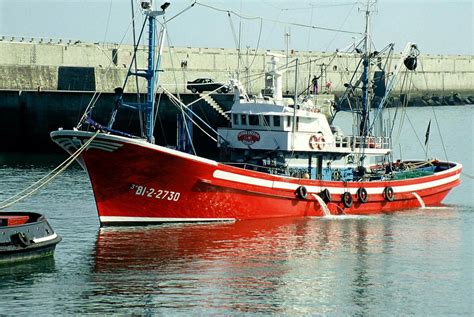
(135, 182)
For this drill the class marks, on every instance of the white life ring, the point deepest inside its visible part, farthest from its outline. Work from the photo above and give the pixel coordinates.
(317, 141)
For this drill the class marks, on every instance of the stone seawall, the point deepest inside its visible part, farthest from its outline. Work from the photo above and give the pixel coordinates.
(31, 64)
(46, 85)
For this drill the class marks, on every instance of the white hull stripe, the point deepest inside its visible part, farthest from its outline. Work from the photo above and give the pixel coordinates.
(71, 144)
(334, 190)
(57, 135)
(44, 239)
(111, 219)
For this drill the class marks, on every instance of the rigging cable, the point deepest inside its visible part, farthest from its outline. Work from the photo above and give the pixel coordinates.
(181, 12)
(272, 28)
(115, 110)
(416, 134)
(179, 104)
(467, 175)
(30, 190)
(440, 134)
(97, 94)
(276, 21)
(170, 47)
(311, 6)
(404, 114)
(258, 44)
(342, 24)
(140, 115)
(236, 42)
(108, 21)
(436, 117)
(183, 113)
(173, 98)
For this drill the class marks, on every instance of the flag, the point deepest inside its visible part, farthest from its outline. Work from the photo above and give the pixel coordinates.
(427, 134)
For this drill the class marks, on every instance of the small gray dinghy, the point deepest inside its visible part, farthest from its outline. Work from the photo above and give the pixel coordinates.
(25, 236)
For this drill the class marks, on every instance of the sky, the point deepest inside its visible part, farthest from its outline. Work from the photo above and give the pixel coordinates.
(437, 26)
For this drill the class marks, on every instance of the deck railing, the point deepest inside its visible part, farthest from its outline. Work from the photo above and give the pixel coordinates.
(355, 142)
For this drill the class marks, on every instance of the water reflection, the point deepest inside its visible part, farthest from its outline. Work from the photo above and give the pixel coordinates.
(26, 273)
(266, 264)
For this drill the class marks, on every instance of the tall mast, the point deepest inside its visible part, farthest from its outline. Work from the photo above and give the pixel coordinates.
(295, 107)
(150, 77)
(150, 74)
(364, 125)
(152, 11)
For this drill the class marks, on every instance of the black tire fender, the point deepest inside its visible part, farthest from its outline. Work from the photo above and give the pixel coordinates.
(325, 195)
(388, 193)
(301, 192)
(362, 195)
(21, 239)
(347, 199)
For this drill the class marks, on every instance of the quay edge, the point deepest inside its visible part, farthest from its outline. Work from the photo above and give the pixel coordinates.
(45, 85)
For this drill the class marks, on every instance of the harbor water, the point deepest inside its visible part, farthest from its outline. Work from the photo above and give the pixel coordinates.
(415, 262)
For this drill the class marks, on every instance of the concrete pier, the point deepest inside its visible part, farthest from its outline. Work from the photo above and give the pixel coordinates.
(61, 65)
(46, 84)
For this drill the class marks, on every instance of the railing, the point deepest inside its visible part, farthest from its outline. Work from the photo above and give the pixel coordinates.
(355, 142)
(37, 40)
(271, 169)
(51, 40)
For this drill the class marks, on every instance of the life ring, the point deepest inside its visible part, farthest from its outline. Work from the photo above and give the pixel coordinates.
(347, 199)
(317, 141)
(371, 142)
(362, 195)
(301, 192)
(313, 142)
(325, 195)
(321, 143)
(388, 193)
(336, 175)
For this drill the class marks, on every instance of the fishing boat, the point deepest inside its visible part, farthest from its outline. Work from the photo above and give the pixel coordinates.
(25, 236)
(280, 157)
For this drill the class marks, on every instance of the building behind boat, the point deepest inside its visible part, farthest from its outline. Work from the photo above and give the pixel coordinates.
(47, 83)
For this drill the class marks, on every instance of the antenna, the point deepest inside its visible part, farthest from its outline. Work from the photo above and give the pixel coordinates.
(150, 7)
(287, 40)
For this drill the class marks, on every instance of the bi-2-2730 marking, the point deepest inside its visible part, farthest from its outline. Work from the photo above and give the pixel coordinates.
(155, 193)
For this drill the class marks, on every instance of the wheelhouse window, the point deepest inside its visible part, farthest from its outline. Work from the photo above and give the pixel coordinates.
(253, 119)
(235, 118)
(276, 121)
(266, 121)
(243, 119)
(288, 122)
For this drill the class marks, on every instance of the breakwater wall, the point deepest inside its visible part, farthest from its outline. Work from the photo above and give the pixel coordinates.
(47, 84)
(28, 117)
(27, 63)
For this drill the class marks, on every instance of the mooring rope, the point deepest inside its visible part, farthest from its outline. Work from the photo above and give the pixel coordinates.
(30, 190)
(467, 175)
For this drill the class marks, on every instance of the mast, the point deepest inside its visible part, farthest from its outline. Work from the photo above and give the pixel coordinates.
(150, 77)
(153, 64)
(365, 75)
(150, 74)
(287, 38)
(296, 96)
(295, 106)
